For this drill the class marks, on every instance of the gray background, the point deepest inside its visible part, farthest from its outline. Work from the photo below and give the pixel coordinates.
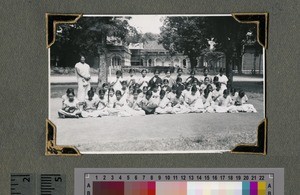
(24, 89)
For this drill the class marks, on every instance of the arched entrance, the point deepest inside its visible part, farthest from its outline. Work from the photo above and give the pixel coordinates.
(116, 61)
(159, 62)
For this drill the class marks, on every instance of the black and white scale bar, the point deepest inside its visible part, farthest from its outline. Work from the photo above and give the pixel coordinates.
(52, 184)
(23, 184)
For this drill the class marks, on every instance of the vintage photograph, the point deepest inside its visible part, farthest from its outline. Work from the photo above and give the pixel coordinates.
(156, 83)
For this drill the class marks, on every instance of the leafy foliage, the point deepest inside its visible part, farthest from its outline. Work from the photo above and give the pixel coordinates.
(88, 36)
(189, 35)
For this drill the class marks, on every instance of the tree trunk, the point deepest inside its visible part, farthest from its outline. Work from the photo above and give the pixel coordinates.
(193, 61)
(103, 68)
(103, 64)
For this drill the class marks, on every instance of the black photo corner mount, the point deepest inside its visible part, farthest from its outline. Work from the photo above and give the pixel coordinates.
(51, 148)
(261, 144)
(261, 20)
(53, 19)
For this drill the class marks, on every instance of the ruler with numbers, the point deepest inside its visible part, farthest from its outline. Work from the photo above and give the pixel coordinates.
(32, 184)
(178, 181)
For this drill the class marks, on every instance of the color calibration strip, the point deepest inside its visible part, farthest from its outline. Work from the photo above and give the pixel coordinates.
(179, 188)
(178, 184)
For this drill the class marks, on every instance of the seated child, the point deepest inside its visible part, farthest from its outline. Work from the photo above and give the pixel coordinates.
(131, 80)
(204, 85)
(215, 81)
(240, 103)
(207, 101)
(172, 93)
(205, 74)
(192, 79)
(168, 77)
(155, 79)
(102, 104)
(134, 103)
(111, 99)
(166, 86)
(65, 96)
(105, 87)
(90, 106)
(217, 92)
(147, 104)
(222, 79)
(143, 93)
(95, 97)
(193, 101)
(179, 84)
(233, 94)
(70, 108)
(187, 89)
(155, 94)
(143, 81)
(179, 72)
(224, 103)
(120, 107)
(178, 104)
(117, 84)
(124, 90)
(164, 106)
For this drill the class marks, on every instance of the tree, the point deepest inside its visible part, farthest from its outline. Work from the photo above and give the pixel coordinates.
(89, 37)
(189, 35)
(184, 35)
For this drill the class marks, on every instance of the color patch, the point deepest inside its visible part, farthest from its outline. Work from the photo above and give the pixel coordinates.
(246, 188)
(139, 188)
(253, 188)
(108, 188)
(262, 188)
(171, 188)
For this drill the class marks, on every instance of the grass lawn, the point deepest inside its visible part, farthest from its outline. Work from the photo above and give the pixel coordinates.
(181, 132)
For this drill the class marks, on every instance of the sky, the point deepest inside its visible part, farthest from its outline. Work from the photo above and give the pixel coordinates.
(146, 23)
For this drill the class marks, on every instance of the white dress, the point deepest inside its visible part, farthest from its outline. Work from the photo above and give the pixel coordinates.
(83, 85)
(243, 107)
(164, 106)
(194, 102)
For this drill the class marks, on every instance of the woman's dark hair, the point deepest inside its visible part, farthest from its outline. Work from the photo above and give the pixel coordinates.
(178, 92)
(179, 79)
(69, 90)
(118, 92)
(136, 91)
(241, 93)
(131, 70)
(90, 92)
(179, 70)
(225, 92)
(216, 79)
(162, 92)
(111, 89)
(124, 82)
(149, 93)
(194, 89)
(218, 84)
(104, 85)
(144, 70)
(101, 91)
(165, 80)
